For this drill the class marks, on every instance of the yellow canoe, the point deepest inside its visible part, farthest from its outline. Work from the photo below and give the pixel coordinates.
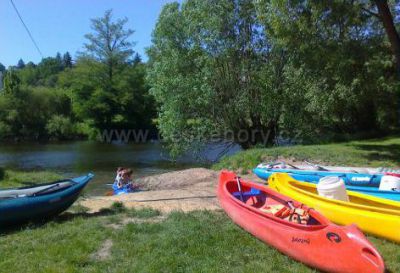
(377, 216)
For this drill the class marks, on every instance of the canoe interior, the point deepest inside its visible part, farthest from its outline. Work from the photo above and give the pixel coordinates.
(355, 199)
(269, 204)
(36, 190)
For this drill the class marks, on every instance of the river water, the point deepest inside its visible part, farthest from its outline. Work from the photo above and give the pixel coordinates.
(80, 157)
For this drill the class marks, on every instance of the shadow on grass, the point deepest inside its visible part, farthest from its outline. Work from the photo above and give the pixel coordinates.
(61, 218)
(390, 152)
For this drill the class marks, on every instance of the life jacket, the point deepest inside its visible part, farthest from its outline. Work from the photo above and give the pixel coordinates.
(294, 215)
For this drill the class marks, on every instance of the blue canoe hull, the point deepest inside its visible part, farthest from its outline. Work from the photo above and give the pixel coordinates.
(35, 208)
(362, 183)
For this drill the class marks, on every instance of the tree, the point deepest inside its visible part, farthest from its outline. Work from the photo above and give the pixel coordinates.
(2, 68)
(109, 43)
(137, 59)
(387, 20)
(11, 82)
(20, 64)
(29, 75)
(336, 52)
(28, 113)
(107, 86)
(48, 69)
(67, 60)
(58, 58)
(206, 72)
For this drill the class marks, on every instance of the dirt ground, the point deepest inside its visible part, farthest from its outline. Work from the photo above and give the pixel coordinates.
(187, 190)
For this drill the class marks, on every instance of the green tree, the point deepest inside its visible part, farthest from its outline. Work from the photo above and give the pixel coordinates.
(48, 69)
(206, 71)
(26, 113)
(385, 15)
(109, 43)
(107, 87)
(29, 75)
(11, 82)
(2, 68)
(60, 127)
(21, 64)
(343, 68)
(67, 60)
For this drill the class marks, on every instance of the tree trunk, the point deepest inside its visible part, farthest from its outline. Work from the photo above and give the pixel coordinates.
(393, 35)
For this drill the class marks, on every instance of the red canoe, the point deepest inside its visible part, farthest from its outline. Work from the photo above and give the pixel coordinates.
(294, 229)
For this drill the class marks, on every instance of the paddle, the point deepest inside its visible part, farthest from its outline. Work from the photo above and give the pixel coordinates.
(239, 188)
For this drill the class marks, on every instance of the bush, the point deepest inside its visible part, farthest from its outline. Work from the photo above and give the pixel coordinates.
(60, 127)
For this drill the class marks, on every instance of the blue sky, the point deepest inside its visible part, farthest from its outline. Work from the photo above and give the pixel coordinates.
(59, 26)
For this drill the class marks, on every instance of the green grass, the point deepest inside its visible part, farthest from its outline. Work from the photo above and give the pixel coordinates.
(183, 242)
(374, 153)
(19, 179)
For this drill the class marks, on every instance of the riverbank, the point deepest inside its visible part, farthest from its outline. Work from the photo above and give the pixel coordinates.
(21, 179)
(176, 224)
(383, 152)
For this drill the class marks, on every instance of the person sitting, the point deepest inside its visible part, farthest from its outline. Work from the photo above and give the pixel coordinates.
(126, 178)
(118, 178)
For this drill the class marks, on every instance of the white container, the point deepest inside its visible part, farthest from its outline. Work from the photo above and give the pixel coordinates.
(332, 187)
(389, 183)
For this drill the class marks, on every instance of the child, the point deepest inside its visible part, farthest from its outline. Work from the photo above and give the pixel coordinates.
(126, 178)
(123, 179)
(118, 178)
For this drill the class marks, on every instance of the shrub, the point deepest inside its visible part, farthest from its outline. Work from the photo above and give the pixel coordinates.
(60, 127)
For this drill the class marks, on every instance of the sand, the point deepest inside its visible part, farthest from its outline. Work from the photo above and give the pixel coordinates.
(187, 190)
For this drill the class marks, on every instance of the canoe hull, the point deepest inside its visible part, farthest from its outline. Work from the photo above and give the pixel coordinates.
(35, 208)
(330, 248)
(350, 179)
(377, 216)
(370, 190)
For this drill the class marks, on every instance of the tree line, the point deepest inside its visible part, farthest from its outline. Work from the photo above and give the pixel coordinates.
(58, 98)
(300, 70)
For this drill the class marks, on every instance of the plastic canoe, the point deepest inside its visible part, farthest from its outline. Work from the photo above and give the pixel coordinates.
(351, 179)
(318, 243)
(392, 195)
(373, 215)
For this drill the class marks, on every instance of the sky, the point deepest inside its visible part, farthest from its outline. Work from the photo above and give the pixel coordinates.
(60, 25)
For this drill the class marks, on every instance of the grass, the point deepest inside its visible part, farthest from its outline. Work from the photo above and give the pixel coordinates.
(199, 241)
(19, 179)
(373, 153)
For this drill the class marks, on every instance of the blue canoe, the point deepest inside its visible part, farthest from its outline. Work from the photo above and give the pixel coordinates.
(40, 201)
(362, 183)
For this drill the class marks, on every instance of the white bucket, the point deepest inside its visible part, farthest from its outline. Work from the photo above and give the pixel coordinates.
(389, 183)
(332, 187)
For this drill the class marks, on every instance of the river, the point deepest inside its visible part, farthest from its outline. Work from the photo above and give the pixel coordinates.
(80, 157)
